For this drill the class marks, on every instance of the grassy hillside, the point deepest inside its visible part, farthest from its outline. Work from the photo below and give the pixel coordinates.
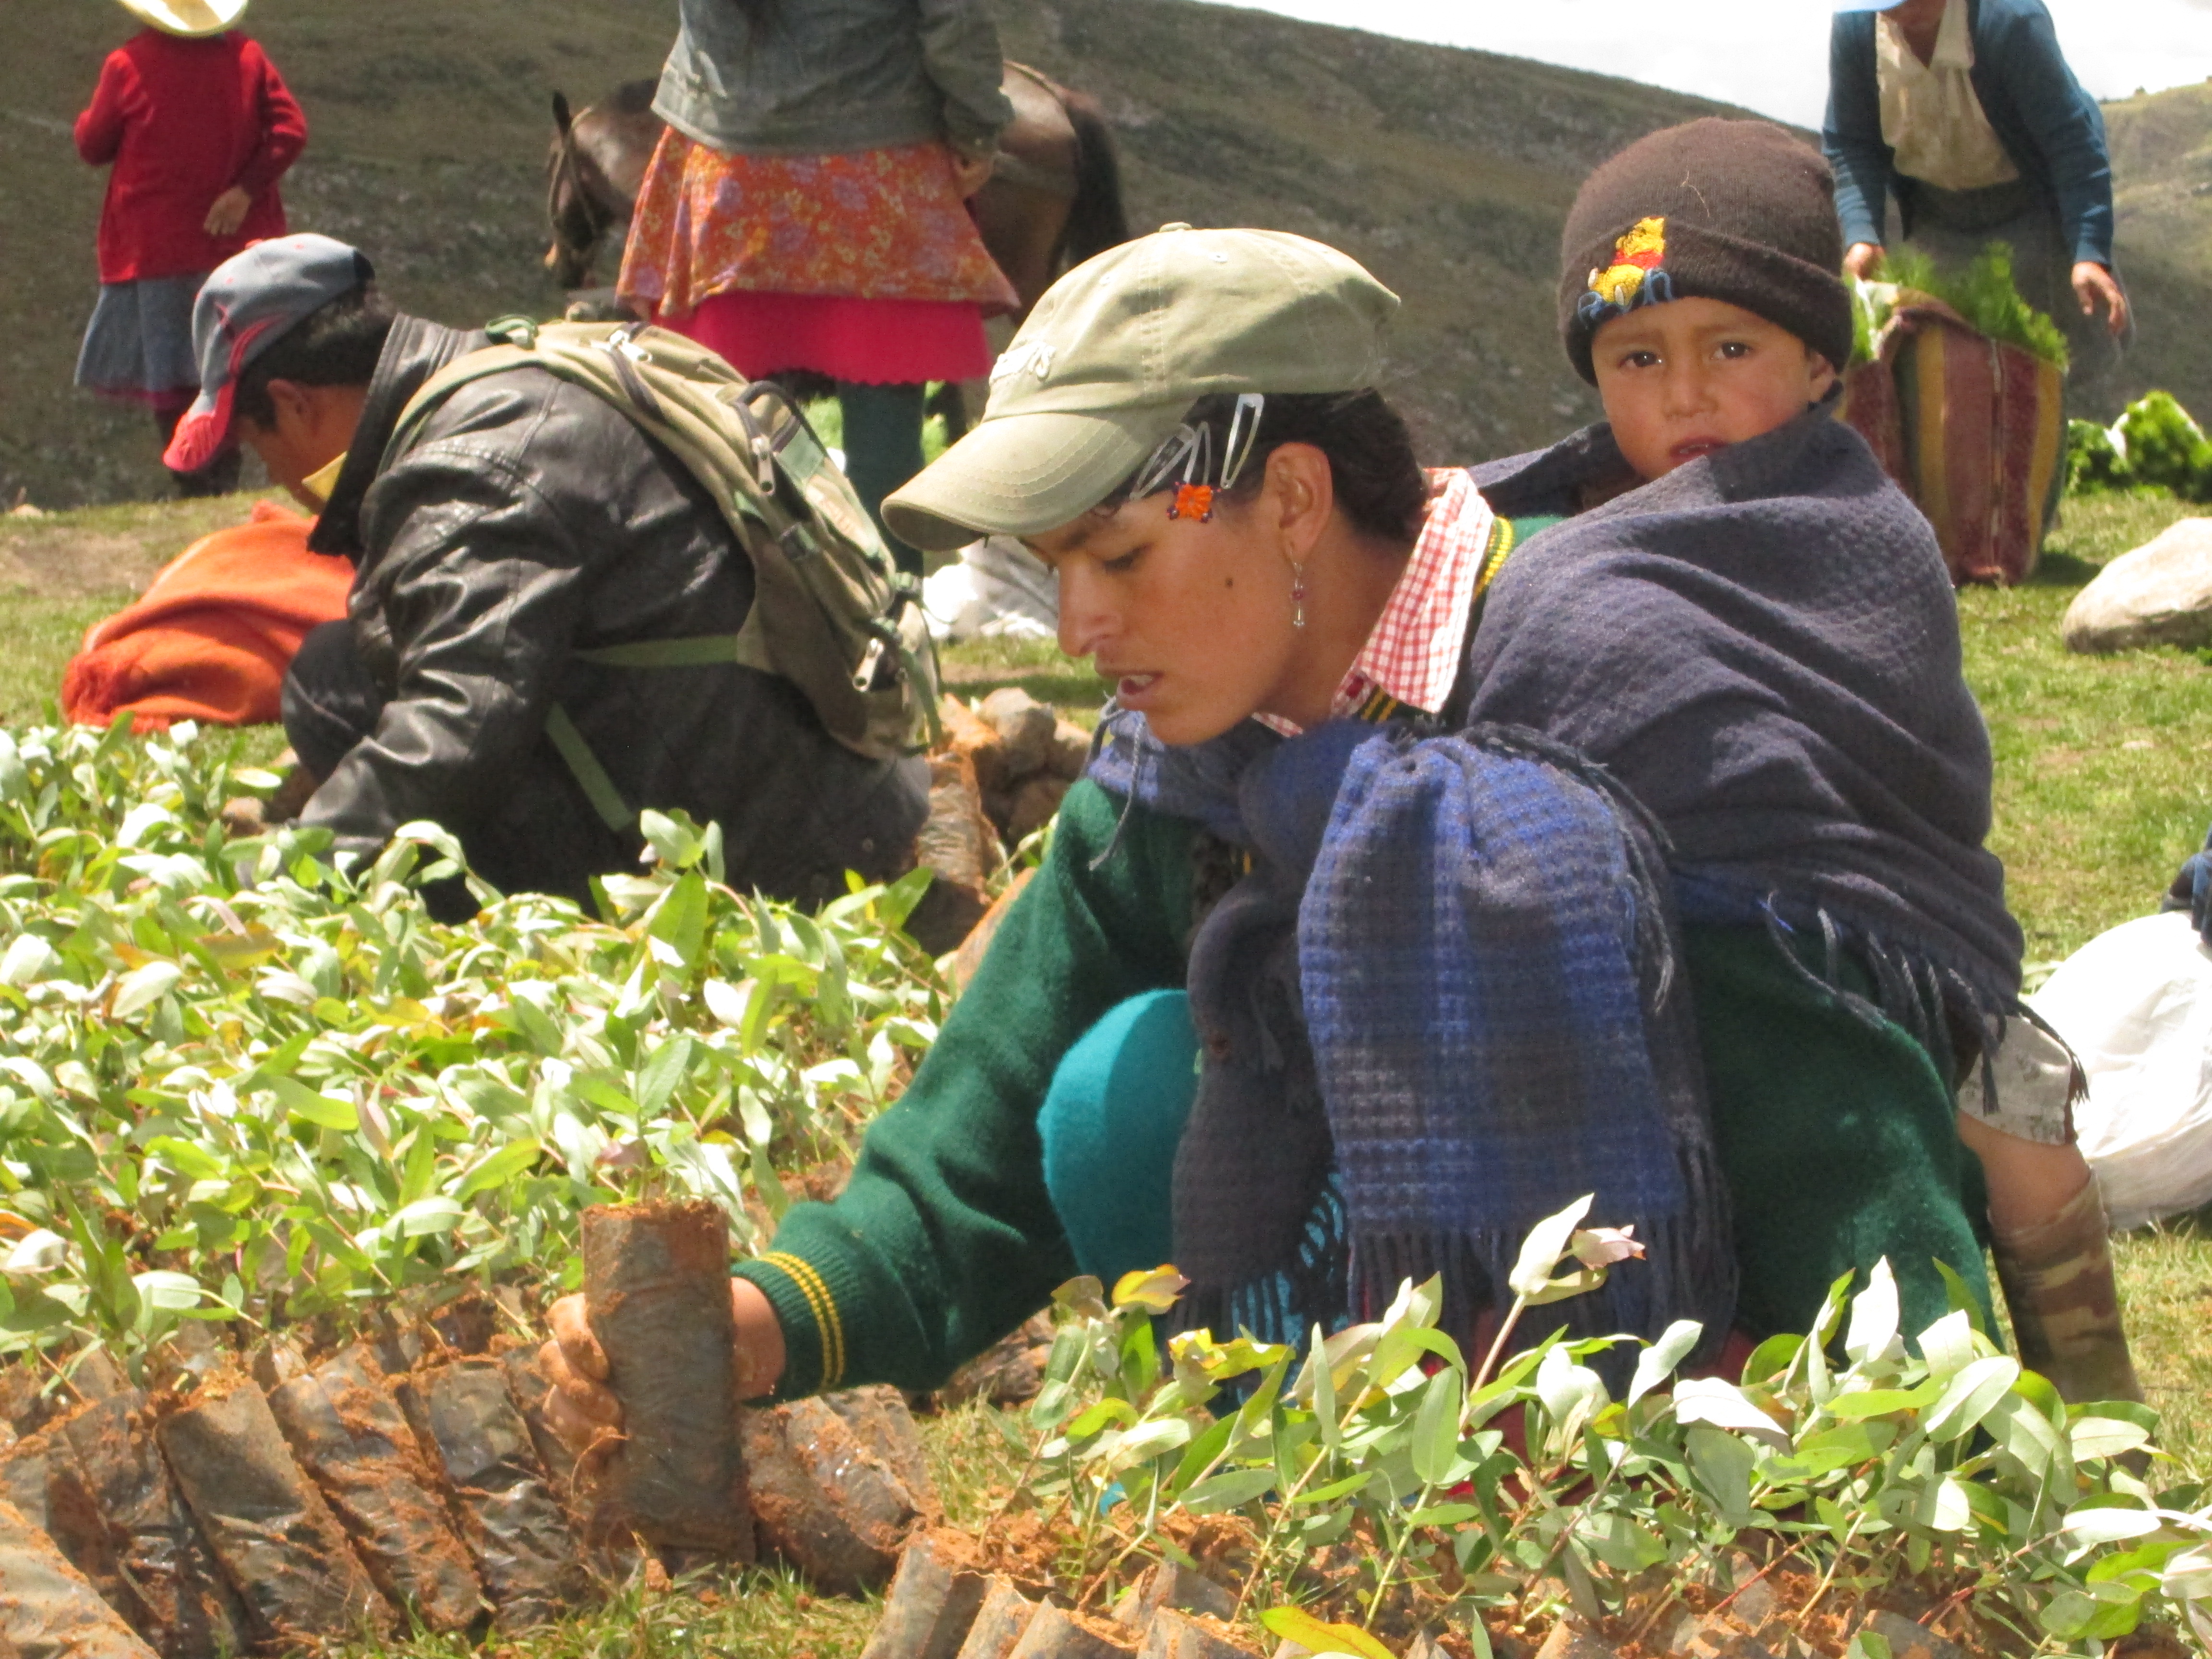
(2162, 165)
(1448, 172)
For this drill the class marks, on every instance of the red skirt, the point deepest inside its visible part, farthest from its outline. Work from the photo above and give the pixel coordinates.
(877, 342)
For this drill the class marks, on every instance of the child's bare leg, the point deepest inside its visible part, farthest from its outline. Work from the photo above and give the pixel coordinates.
(2054, 1258)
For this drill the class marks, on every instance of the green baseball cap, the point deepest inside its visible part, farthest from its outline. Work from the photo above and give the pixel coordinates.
(1110, 361)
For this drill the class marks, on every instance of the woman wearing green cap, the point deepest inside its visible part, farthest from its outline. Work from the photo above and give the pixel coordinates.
(1344, 967)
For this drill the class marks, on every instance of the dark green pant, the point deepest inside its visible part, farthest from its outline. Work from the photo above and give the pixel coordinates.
(1837, 1138)
(882, 449)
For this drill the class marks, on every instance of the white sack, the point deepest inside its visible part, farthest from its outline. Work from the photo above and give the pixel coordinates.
(2136, 1004)
(996, 588)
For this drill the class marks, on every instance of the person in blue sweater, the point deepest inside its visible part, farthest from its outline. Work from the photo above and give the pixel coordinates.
(1965, 112)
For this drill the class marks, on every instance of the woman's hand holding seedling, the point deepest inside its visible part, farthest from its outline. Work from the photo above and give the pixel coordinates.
(584, 1412)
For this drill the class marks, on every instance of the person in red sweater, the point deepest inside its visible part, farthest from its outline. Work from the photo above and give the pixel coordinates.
(199, 127)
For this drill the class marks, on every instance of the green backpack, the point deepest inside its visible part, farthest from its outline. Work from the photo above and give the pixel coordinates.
(830, 613)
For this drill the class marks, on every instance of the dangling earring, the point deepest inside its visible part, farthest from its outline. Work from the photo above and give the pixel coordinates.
(1297, 595)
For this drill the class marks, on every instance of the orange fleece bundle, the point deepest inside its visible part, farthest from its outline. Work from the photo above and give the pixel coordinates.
(211, 638)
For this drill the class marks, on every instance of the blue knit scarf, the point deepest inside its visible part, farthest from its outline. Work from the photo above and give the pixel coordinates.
(1440, 1006)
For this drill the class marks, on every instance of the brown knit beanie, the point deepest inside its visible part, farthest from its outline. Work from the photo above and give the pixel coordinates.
(1732, 210)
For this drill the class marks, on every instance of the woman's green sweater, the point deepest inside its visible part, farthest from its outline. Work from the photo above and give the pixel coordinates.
(1836, 1133)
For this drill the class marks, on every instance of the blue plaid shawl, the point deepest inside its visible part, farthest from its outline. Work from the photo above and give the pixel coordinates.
(1440, 1006)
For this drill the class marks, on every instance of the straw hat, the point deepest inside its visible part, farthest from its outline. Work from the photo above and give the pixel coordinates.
(187, 16)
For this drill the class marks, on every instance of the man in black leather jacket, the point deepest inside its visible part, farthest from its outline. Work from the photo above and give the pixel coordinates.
(525, 521)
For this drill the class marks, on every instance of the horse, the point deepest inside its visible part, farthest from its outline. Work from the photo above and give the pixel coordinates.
(1053, 198)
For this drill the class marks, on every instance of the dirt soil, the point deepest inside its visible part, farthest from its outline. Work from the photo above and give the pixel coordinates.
(109, 550)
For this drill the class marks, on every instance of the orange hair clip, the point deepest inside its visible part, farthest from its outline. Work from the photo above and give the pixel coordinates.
(1193, 501)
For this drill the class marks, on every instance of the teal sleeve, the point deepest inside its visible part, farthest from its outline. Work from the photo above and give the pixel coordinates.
(945, 1240)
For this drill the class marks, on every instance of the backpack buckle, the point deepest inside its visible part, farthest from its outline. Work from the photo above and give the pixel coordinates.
(864, 677)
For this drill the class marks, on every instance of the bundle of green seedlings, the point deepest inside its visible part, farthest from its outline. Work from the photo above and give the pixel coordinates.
(1378, 1485)
(1984, 294)
(239, 1087)
(2155, 444)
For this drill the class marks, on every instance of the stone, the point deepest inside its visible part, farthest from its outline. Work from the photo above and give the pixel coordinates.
(1025, 728)
(1071, 751)
(1033, 806)
(2159, 594)
(959, 846)
(1908, 1640)
(974, 740)
(965, 961)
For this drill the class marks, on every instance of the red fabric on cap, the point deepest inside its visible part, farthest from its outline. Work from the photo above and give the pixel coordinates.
(201, 434)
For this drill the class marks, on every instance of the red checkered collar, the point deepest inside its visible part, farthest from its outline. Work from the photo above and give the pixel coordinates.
(1413, 655)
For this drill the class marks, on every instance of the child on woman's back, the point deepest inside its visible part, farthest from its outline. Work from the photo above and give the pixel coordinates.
(1752, 627)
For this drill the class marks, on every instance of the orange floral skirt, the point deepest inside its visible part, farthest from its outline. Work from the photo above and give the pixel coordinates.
(880, 224)
(864, 266)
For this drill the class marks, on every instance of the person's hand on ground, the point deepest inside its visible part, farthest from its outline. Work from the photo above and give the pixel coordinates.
(1862, 259)
(971, 172)
(228, 212)
(2095, 286)
(583, 1411)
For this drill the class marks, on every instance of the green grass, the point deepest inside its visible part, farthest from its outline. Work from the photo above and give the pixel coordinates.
(2102, 789)
(2102, 785)
(62, 572)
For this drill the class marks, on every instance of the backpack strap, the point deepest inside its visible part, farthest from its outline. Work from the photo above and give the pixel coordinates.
(591, 777)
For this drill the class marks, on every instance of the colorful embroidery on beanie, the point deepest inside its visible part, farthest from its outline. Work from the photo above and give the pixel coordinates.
(1637, 276)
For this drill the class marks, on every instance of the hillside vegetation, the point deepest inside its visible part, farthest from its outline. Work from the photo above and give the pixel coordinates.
(2162, 166)
(1448, 172)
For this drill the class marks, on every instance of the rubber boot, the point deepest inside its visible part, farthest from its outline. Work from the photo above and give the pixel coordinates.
(2058, 1280)
(883, 450)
